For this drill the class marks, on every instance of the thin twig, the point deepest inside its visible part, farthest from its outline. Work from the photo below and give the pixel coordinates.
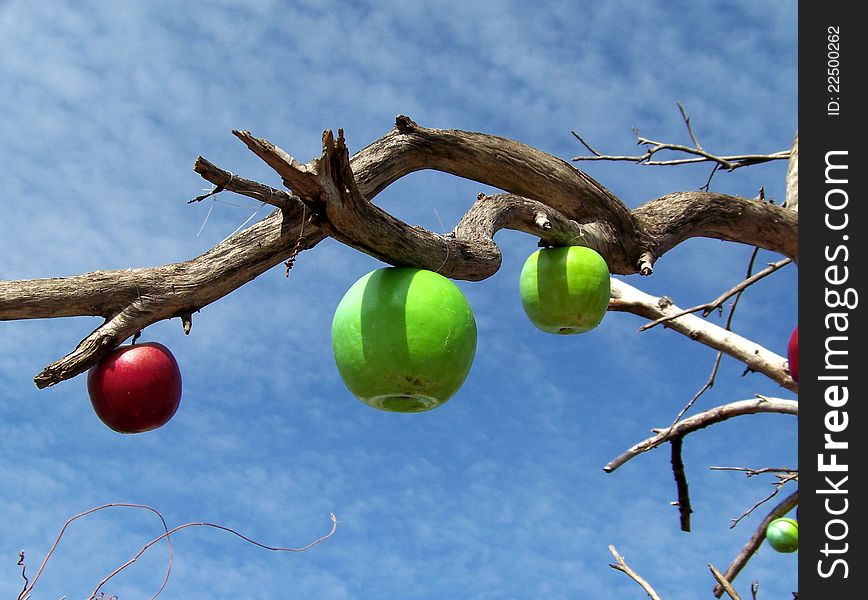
(728, 163)
(23, 566)
(683, 503)
(28, 589)
(728, 327)
(708, 385)
(705, 419)
(622, 566)
(782, 481)
(212, 192)
(686, 118)
(750, 472)
(214, 526)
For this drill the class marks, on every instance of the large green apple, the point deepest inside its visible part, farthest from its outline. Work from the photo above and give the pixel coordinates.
(783, 534)
(403, 339)
(565, 290)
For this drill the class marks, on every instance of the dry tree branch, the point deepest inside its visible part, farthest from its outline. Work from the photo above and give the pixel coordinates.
(792, 201)
(715, 304)
(28, 587)
(683, 502)
(749, 472)
(144, 548)
(756, 540)
(784, 475)
(23, 595)
(704, 419)
(728, 327)
(724, 583)
(728, 163)
(778, 486)
(621, 565)
(679, 473)
(332, 197)
(626, 298)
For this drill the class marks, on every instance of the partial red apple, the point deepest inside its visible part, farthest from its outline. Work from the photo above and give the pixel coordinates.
(135, 388)
(793, 354)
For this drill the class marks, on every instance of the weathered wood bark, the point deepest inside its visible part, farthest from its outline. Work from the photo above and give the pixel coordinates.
(331, 196)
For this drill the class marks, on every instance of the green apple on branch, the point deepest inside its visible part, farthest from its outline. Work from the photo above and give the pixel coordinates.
(783, 534)
(403, 339)
(565, 290)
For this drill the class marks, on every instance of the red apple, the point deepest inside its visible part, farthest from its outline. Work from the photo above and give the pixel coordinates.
(793, 354)
(135, 388)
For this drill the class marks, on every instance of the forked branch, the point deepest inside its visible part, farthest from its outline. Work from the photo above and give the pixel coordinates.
(621, 565)
(697, 153)
(626, 298)
(167, 533)
(704, 419)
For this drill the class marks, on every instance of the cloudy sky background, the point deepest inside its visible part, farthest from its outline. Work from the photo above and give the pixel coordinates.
(498, 494)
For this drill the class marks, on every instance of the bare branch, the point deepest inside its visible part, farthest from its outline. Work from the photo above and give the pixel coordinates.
(240, 185)
(25, 593)
(778, 486)
(144, 548)
(333, 198)
(749, 472)
(756, 540)
(710, 307)
(710, 382)
(783, 474)
(21, 563)
(728, 163)
(792, 201)
(621, 565)
(626, 298)
(28, 586)
(686, 118)
(704, 419)
(683, 503)
(706, 386)
(724, 583)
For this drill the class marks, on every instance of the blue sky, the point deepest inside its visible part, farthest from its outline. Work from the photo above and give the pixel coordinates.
(500, 493)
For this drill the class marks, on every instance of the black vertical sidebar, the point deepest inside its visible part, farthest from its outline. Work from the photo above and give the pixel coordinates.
(833, 420)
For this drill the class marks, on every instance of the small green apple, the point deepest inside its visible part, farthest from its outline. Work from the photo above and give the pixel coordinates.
(565, 290)
(403, 339)
(783, 534)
